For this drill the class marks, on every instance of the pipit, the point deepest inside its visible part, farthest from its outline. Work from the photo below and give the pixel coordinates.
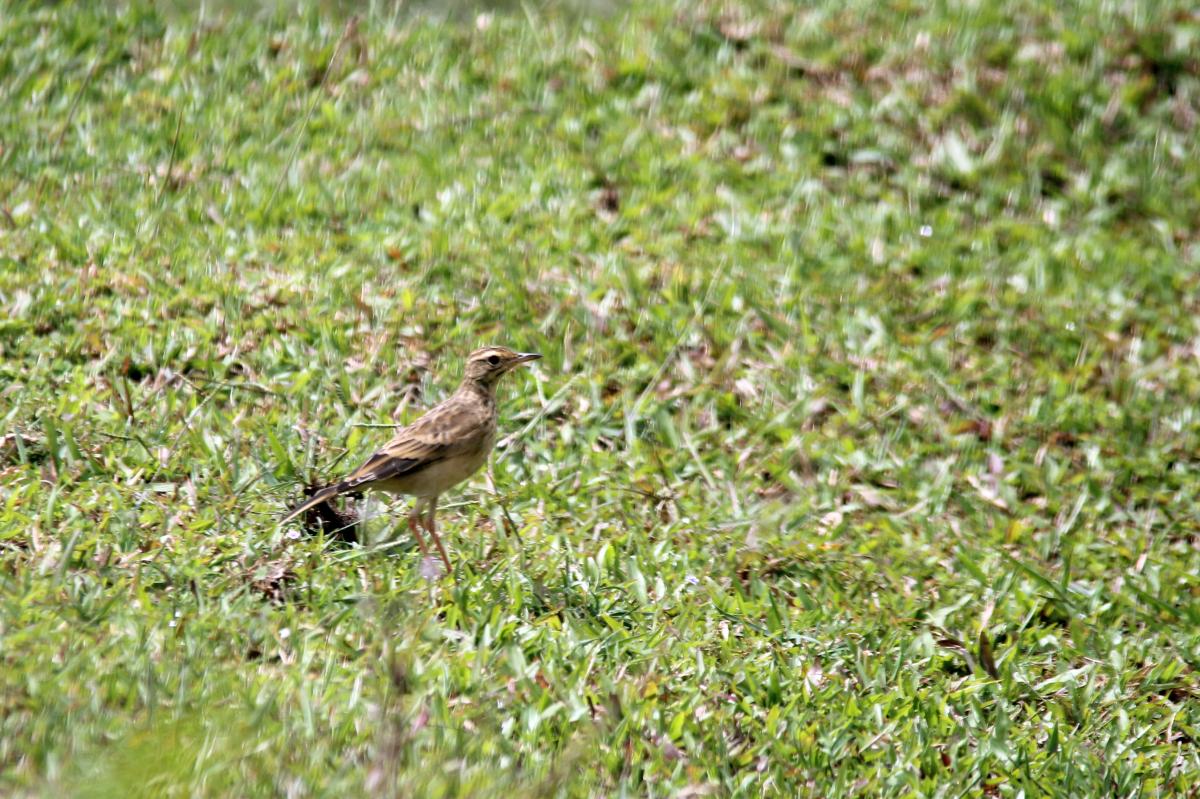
(438, 451)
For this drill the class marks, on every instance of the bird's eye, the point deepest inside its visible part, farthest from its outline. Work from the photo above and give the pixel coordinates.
(494, 360)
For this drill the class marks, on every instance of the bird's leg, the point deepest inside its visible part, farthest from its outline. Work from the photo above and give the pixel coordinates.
(414, 526)
(429, 525)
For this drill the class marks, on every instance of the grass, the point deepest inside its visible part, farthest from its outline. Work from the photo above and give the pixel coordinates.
(863, 460)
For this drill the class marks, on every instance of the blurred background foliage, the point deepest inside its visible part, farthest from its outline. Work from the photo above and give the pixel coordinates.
(862, 461)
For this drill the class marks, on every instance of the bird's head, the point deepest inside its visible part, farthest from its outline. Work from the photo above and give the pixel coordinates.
(487, 364)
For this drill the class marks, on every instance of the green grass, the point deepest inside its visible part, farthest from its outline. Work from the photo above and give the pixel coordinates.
(863, 460)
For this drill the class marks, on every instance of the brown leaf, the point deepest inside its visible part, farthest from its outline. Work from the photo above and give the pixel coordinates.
(795, 62)
(817, 411)
(873, 498)
(980, 428)
(987, 493)
(670, 752)
(737, 30)
(419, 723)
(12, 443)
(985, 655)
(270, 577)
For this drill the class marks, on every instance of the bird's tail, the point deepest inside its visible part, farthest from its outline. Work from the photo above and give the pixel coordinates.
(324, 495)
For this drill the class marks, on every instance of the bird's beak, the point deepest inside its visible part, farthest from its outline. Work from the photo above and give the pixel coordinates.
(526, 357)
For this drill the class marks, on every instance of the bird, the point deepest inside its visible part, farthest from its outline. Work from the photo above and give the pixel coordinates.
(437, 451)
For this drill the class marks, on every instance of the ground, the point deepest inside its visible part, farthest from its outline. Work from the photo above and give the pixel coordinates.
(863, 459)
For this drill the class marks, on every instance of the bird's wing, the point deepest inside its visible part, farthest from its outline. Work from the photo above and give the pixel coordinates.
(432, 438)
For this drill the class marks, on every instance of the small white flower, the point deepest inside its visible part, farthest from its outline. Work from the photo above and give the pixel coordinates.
(926, 231)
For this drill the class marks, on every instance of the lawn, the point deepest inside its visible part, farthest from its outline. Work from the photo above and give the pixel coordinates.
(864, 459)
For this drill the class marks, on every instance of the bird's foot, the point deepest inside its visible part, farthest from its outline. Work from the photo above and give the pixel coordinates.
(431, 568)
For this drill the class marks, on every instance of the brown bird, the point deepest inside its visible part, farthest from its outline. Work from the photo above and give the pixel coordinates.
(436, 452)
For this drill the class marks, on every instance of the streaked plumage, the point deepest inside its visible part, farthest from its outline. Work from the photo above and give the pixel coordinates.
(441, 449)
